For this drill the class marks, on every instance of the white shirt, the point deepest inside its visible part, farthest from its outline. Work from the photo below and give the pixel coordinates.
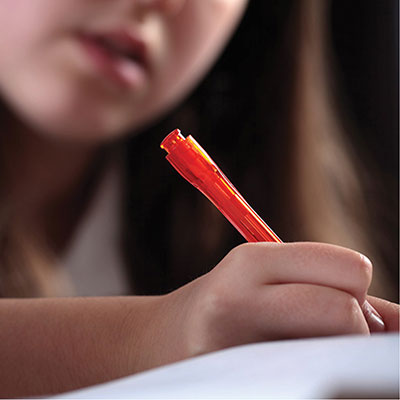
(93, 261)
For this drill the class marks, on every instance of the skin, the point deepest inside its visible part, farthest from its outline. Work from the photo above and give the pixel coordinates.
(257, 292)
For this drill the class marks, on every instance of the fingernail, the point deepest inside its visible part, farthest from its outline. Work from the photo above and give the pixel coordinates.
(374, 320)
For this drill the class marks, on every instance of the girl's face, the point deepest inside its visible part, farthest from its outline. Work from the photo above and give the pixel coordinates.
(91, 69)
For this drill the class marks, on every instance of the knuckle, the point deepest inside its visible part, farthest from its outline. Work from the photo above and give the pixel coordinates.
(349, 315)
(365, 266)
(242, 249)
(362, 267)
(349, 305)
(239, 256)
(359, 265)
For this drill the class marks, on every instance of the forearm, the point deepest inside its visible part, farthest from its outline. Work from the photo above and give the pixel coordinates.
(53, 345)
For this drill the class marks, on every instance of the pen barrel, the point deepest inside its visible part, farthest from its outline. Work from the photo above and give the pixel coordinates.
(197, 167)
(234, 207)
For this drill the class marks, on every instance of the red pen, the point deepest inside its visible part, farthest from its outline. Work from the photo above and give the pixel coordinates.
(197, 167)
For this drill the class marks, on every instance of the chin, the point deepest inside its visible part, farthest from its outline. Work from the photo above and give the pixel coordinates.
(80, 131)
(86, 125)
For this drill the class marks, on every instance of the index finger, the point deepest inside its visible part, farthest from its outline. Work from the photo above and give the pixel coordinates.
(313, 263)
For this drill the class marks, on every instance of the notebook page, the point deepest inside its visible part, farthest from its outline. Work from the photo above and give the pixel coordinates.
(340, 367)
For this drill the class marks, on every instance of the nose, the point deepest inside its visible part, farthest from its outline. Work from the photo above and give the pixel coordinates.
(168, 7)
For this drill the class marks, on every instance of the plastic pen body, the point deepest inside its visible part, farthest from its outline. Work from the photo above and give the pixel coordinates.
(196, 166)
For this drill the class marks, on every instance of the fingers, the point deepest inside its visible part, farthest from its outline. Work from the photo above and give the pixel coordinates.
(389, 312)
(313, 263)
(374, 320)
(303, 310)
(273, 312)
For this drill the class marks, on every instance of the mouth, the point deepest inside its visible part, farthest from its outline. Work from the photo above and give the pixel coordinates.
(119, 56)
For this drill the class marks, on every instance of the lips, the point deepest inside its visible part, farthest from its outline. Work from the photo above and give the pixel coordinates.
(120, 56)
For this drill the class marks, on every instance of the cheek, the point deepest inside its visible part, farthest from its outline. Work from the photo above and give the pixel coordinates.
(39, 75)
(60, 103)
(29, 28)
(30, 22)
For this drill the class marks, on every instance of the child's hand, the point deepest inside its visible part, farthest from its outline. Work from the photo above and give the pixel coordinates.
(263, 291)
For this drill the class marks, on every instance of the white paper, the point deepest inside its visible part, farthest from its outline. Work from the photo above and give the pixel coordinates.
(344, 366)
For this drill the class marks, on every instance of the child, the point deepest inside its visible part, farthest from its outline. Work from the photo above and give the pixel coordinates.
(75, 76)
